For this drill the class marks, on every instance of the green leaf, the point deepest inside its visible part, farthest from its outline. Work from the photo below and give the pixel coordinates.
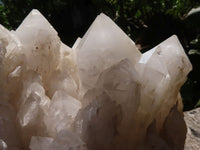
(198, 103)
(194, 52)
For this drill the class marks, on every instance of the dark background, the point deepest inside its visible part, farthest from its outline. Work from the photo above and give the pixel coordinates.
(147, 22)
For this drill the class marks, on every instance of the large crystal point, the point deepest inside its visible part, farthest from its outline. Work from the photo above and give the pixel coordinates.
(40, 43)
(101, 94)
(103, 45)
(161, 81)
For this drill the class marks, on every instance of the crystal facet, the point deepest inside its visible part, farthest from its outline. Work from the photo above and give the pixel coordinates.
(101, 94)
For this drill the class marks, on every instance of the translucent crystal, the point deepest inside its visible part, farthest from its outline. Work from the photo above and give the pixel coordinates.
(65, 140)
(163, 78)
(32, 107)
(103, 45)
(40, 44)
(101, 94)
(61, 112)
(11, 59)
(40, 143)
(121, 83)
(65, 77)
(8, 133)
(96, 124)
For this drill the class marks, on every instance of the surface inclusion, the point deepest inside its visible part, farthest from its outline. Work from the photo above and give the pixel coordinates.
(101, 94)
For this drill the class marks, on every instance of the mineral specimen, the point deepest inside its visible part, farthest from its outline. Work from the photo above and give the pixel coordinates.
(101, 94)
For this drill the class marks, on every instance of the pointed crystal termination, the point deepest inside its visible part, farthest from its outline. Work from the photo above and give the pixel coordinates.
(161, 83)
(103, 45)
(40, 43)
(158, 74)
(101, 94)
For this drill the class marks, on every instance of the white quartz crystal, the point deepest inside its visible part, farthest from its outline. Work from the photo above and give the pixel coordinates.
(61, 112)
(40, 42)
(103, 45)
(101, 114)
(40, 143)
(101, 94)
(65, 140)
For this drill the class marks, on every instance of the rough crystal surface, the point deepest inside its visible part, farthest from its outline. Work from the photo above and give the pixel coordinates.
(101, 94)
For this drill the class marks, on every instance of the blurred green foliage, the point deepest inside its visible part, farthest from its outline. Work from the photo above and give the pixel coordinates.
(3, 15)
(147, 22)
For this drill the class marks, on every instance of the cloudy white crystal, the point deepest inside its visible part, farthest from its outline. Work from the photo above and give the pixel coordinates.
(61, 112)
(40, 143)
(40, 43)
(103, 45)
(101, 94)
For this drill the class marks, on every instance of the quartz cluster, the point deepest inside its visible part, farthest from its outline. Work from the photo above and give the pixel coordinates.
(101, 94)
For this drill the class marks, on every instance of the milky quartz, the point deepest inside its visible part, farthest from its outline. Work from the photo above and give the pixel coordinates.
(101, 94)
